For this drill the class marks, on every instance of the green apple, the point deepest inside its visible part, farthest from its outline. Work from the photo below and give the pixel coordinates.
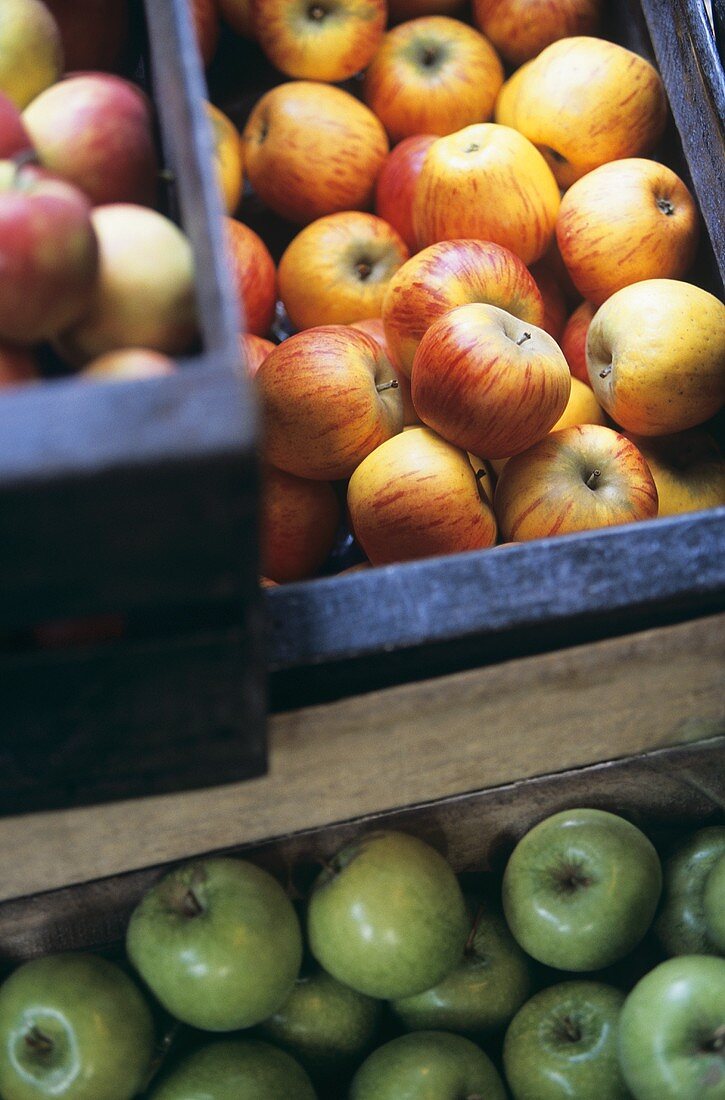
(680, 925)
(327, 1026)
(672, 1031)
(427, 1065)
(581, 888)
(237, 1069)
(387, 917)
(74, 1027)
(714, 905)
(218, 942)
(563, 1042)
(489, 985)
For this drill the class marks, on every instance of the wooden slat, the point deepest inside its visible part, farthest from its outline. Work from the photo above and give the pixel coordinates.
(403, 745)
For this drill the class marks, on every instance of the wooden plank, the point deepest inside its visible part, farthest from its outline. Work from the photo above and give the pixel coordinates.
(400, 746)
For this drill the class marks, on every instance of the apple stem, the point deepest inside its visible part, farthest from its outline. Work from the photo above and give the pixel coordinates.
(472, 148)
(717, 1044)
(666, 207)
(605, 371)
(391, 385)
(526, 336)
(190, 905)
(570, 1029)
(38, 1042)
(468, 949)
(364, 269)
(593, 478)
(317, 12)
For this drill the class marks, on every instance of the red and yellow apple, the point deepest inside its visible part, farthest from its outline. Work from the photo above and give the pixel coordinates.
(396, 184)
(311, 149)
(416, 496)
(656, 356)
(327, 40)
(574, 340)
(94, 33)
(255, 350)
(432, 75)
(374, 327)
(14, 138)
(118, 366)
(687, 467)
(400, 10)
(254, 276)
(521, 29)
(488, 182)
(628, 220)
(555, 309)
(576, 479)
(299, 520)
(17, 366)
(450, 274)
(329, 397)
(488, 382)
(337, 269)
(31, 51)
(227, 157)
(95, 130)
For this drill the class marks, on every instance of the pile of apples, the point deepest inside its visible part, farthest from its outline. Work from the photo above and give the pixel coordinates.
(591, 971)
(506, 349)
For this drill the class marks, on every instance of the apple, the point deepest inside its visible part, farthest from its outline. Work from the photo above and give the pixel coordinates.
(555, 305)
(205, 15)
(563, 1042)
(427, 1064)
(144, 291)
(374, 327)
(299, 520)
(17, 366)
(73, 1026)
(254, 275)
(254, 350)
(238, 15)
(714, 905)
(311, 150)
(432, 75)
(687, 468)
(48, 254)
(396, 184)
(327, 1026)
(656, 356)
(31, 51)
(14, 138)
(400, 10)
(320, 39)
(578, 479)
(521, 29)
(329, 396)
(387, 916)
(227, 157)
(337, 269)
(116, 366)
(488, 182)
(489, 382)
(218, 943)
(629, 220)
(585, 101)
(450, 274)
(95, 33)
(672, 1031)
(236, 1069)
(417, 496)
(95, 130)
(574, 340)
(680, 925)
(581, 888)
(485, 990)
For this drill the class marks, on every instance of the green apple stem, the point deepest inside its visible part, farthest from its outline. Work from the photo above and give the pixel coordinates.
(526, 336)
(568, 1029)
(468, 949)
(593, 479)
(391, 385)
(190, 905)
(38, 1042)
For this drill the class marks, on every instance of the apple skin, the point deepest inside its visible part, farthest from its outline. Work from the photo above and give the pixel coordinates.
(521, 29)
(17, 366)
(299, 520)
(218, 943)
(680, 926)
(432, 75)
(31, 51)
(671, 1031)
(326, 1026)
(387, 917)
(487, 988)
(236, 1069)
(116, 366)
(14, 138)
(323, 411)
(227, 157)
(563, 1042)
(319, 41)
(574, 340)
(396, 184)
(427, 1065)
(629, 220)
(417, 496)
(311, 149)
(337, 269)
(687, 467)
(254, 275)
(585, 101)
(205, 16)
(374, 327)
(487, 182)
(144, 292)
(94, 33)
(254, 350)
(98, 1024)
(581, 888)
(239, 16)
(544, 491)
(714, 905)
(488, 382)
(48, 254)
(450, 274)
(95, 130)
(555, 305)
(656, 356)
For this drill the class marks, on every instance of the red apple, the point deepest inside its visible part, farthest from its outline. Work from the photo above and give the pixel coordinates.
(31, 51)
(318, 40)
(254, 276)
(400, 10)
(14, 138)
(95, 130)
(574, 480)
(255, 350)
(451, 274)
(574, 340)
(488, 382)
(299, 520)
(396, 185)
(374, 327)
(17, 366)
(95, 33)
(432, 75)
(520, 29)
(555, 309)
(48, 254)
(416, 496)
(329, 399)
(337, 269)
(117, 366)
(205, 14)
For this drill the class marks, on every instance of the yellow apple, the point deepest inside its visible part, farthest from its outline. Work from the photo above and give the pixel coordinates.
(31, 50)
(687, 467)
